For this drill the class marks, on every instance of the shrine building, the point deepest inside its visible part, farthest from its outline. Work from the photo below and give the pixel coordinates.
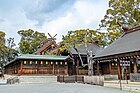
(121, 57)
(30, 64)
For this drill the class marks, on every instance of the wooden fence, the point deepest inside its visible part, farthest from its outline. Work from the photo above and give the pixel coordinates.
(70, 79)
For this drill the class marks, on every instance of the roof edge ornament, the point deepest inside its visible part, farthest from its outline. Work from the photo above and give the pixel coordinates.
(126, 29)
(135, 28)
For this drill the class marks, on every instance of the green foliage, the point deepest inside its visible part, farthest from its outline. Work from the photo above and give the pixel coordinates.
(2, 39)
(79, 37)
(124, 12)
(11, 52)
(2, 47)
(30, 40)
(7, 53)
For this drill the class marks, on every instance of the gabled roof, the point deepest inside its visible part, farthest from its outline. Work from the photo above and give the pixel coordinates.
(129, 42)
(45, 46)
(95, 48)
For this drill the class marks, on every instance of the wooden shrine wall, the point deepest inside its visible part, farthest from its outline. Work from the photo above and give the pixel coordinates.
(25, 67)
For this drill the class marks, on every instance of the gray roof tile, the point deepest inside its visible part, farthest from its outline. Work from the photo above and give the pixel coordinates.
(128, 43)
(82, 50)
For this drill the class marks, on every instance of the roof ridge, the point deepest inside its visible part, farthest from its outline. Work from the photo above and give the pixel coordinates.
(41, 55)
(133, 29)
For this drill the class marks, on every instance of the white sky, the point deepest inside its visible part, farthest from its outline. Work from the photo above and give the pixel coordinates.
(50, 16)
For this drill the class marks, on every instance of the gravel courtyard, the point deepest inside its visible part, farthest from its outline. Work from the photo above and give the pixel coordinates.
(58, 88)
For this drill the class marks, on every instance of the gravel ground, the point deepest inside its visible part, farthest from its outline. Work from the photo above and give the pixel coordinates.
(58, 88)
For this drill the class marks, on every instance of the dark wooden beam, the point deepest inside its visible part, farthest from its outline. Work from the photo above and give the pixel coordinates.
(119, 69)
(53, 68)
(135, 65)
(67, 69)
(110, 67)
(21, 68)
(130, 67)
(77, 68)
(119, 73)
(98, 68)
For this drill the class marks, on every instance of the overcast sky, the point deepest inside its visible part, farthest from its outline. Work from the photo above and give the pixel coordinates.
(53, 16)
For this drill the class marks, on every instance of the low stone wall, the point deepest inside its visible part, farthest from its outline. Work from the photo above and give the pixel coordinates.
(135, 77)
(110, 77)
(2, 82)
(37, 79)
(96, 80)
(12, 80)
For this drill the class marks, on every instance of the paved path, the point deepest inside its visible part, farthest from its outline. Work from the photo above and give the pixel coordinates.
(130, 86)
(58, 88)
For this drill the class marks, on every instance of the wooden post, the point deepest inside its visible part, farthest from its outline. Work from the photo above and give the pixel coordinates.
(119, 69)
(67, 69)
(36, 67)
(119, 73)
(110, 67)
(130, 67)
(77, 69)
(53, 69)
(21, 68)
(98, 68)
(135, 65)
(58, 68)
(38, 64)
(93, 69)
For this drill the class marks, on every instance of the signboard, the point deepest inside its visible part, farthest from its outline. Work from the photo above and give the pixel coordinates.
(125, 63)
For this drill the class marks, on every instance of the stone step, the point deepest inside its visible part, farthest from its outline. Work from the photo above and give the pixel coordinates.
(37, 79)
(3, 82)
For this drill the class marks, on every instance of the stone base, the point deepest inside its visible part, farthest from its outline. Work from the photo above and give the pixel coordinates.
(110, 77)
(3, 82)
(37, 79)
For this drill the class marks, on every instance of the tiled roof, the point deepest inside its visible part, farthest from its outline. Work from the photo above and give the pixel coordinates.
(90, 47)
(40, 57)
(43, 57)
(130, 42)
